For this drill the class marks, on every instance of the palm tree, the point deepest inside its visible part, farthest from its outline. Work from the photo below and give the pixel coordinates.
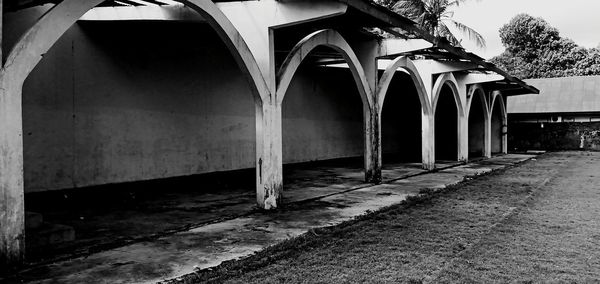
(434, 16)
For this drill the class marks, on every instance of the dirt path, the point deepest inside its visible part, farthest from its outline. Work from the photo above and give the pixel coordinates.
(535, 222)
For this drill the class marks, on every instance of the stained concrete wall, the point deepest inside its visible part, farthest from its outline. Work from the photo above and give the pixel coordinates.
(554, 136)
(322, 115)
(129, 101)
(401, 121)
(115, 102)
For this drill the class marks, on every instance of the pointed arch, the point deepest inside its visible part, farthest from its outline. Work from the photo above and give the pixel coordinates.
(406, 64)
(498, 127)
(447, 79)
(32, 46)
(497, 95)
(474, 90)
(332, 39)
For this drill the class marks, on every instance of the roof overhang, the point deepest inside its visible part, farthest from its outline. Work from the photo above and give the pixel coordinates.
(441, 48)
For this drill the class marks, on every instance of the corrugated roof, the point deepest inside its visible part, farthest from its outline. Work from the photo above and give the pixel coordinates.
(559, 95)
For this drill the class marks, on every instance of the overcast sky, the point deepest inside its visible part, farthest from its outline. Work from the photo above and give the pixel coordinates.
(578, 20)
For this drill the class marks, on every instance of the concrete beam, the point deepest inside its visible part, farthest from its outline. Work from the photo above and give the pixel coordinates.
(394, 46)
(479, 78)
(440, 67)
(255, 21)
(143, 13)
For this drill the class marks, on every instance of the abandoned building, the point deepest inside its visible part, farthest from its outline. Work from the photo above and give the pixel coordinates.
(97, 92)
(565, 116)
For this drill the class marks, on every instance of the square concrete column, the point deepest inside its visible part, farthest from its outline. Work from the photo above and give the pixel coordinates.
(504, 138)
(269, 165)
(487, 136)
(428, 141)
(367, 53)
(12, 209)
(372, 121)
(463, 138)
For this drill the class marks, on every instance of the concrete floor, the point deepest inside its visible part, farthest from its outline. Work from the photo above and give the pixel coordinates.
(166, 237)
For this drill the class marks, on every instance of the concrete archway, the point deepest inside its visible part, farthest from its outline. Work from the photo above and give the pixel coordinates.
(406, 64)
(498, 121)
(402, 111)
(26, 55)
(477, 122)
(28, 51)
(333, 40)
(448, 112)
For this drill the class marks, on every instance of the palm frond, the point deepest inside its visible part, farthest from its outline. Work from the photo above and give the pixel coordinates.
(471, 33)
(412, 9)
(444, 31)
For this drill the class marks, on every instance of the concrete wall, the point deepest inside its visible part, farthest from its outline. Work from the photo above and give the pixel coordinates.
(134, 101)
(322, 115)
(554, 136)
(401, 121)
(128, 101)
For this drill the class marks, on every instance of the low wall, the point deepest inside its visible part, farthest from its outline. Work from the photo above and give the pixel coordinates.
(554, 136)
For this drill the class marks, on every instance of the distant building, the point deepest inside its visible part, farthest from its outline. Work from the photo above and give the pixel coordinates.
(564, 116)
(567, 99)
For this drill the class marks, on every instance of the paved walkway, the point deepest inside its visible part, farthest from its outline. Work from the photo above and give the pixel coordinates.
(206, 246)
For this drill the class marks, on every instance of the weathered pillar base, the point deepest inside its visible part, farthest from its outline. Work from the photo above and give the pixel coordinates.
(269, 176)
(487, 136)
(12, 209)
(463, 139)
(428, 141)
(372, 146)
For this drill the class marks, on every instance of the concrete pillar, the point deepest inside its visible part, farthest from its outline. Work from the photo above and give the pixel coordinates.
(487, 136)
(463, 138)
(428, 140)
(12, 209)
(372, 121)
(367, 53)
(504, 129)
(269, 165)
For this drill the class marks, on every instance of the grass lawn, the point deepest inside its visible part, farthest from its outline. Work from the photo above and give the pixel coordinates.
(536, 222)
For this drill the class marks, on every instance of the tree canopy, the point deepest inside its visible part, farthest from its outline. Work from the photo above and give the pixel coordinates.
(534, 49)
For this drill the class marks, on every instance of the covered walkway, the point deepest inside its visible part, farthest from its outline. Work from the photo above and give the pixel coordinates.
(228, 227)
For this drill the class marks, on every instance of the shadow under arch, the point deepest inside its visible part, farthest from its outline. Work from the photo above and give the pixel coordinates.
(448, 111)
(402, 112)
(477, 117)
(406, 64)
(498, 121)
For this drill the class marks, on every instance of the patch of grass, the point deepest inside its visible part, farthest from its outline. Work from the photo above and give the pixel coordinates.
(419, 240)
